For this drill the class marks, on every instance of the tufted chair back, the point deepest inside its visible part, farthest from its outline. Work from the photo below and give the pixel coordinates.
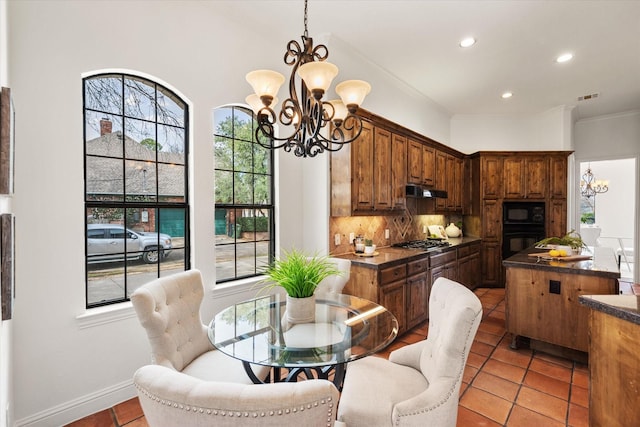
(169, 310)
(169, 399)
(335, 284)
(454, 317)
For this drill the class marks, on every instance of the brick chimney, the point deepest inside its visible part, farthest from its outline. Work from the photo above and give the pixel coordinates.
(105, 126)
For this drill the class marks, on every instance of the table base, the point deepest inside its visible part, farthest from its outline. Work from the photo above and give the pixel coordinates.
(321, 372)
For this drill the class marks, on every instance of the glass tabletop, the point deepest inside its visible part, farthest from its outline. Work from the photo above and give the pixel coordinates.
(345, 328)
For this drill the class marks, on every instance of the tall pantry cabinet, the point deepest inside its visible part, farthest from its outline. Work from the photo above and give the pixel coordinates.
(513, 176)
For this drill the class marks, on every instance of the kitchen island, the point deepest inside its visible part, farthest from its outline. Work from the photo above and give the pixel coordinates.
(614, 359)
(400, 279)
(542, 295)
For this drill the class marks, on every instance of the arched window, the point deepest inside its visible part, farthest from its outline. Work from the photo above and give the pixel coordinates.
(136, 200)
(244, 220)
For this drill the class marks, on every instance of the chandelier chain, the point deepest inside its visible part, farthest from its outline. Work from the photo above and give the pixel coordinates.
(306, 32)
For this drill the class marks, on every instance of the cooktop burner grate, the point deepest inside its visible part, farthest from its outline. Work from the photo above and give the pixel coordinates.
(423, 244)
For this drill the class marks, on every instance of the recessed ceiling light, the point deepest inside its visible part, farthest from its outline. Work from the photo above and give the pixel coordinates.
(468, 42)
(507, 95)
(564, 57)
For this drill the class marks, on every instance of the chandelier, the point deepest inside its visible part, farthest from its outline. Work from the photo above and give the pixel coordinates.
(589, 186)
(304, 110)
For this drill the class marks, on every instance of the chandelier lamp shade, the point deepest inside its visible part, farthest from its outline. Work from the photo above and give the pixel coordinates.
(316, 125)
(589, 186)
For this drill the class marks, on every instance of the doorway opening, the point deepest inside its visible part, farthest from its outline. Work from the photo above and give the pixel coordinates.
(607, 208)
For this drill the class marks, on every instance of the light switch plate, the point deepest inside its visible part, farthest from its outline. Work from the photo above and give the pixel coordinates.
(336, 239)
(352, 237)
(386, 233)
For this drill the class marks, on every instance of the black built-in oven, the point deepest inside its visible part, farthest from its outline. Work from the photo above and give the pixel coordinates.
(522, 225)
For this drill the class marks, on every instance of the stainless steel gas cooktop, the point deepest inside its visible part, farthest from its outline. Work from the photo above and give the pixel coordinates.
(423, 244)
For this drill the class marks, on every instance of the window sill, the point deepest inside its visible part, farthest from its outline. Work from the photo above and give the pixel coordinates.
(108, 314)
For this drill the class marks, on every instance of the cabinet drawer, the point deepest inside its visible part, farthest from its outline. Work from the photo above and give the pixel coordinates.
(418, 266)
(443, 258)
(468, 249)
(392, 274)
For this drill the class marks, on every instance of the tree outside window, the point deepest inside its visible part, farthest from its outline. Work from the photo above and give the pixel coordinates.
(243, 196)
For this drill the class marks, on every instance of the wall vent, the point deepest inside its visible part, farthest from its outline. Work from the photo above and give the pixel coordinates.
(588, 97)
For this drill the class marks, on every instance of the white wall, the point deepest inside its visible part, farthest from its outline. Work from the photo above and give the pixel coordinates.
(550, 130)
(6, 328)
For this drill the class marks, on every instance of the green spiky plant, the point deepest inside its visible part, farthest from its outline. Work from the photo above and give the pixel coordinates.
(298, 274)
(571, 239)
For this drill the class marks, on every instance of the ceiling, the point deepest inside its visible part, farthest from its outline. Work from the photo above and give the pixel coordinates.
(517, 43)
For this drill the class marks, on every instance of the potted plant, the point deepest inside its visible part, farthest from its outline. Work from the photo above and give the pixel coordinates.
(572, 240)
(299, 275)
(369, 247)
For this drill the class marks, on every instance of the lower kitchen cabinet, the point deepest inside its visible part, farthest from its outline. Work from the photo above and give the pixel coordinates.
(417, 292)
(444, 265)
(469, 266)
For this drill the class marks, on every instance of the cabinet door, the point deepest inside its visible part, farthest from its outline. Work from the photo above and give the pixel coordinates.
(536, 177)
(362, 170)
(450, 186)
(491, 265)
(558, 177)
(491, 220)
(557, 218)
(458, 185)
(491, 177)
(382, 169)
(428, 165)
(417, 299)
(513, 170)
(414, 162)
(441, 179)
(392, 297)
(398, 170)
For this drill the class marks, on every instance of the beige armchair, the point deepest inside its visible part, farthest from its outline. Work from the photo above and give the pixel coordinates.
(169, 310)
(170, 398)
(420, 384)
(334, 284)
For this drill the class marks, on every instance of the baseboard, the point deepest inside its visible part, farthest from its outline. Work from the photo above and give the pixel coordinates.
(73, 410)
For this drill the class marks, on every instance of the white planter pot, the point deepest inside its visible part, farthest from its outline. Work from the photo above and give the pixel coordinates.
(301, 310)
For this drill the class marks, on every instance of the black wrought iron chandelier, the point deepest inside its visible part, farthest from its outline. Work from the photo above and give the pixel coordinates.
(589, 186)
(304, 109)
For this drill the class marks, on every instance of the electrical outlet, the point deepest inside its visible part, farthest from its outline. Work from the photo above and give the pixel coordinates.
(554, 286)
(386, 233)
(336, 239)
(424, 229)
(352, 237)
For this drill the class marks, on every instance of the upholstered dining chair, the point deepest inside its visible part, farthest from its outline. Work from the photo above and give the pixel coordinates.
(335, 284)
(169, 310)
(420, 383)
(169, 398)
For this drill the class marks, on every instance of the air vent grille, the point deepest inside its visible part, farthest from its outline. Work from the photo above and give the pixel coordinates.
(588, 97)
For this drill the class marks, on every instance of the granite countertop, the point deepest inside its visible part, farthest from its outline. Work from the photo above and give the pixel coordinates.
(602, 263)
(389, 256)
(626, 307)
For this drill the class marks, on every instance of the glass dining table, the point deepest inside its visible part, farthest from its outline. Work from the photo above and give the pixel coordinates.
(345, 328)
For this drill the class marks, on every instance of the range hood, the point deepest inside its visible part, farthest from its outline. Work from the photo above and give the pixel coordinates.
(413, 190)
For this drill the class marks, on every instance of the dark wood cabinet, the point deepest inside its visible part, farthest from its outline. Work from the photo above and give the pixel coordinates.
(444, 265)
(558, 177)
(428, 165)
(525, 177)
(382, 185)
(491, 260)
(491, 177)
(392, 297)
(418, 289)
(469, 265)
(557, 218)
(398, 170)
(362, 169)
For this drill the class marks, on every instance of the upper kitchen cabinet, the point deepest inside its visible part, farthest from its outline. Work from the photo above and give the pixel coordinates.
(558, 177)
(398, 170)
(525, 177)
(491, 177)
(420, 163)
(370, 175)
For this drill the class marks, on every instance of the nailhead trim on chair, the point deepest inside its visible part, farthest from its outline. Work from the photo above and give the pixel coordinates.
(449, 393)
(221, 412)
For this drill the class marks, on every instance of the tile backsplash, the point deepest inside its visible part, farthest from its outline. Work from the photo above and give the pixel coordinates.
(401, 228)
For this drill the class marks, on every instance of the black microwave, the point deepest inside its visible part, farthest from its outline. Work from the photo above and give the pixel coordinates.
(523, 213)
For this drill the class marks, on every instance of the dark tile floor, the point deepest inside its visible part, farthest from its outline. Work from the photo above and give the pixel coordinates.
(501, 386)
